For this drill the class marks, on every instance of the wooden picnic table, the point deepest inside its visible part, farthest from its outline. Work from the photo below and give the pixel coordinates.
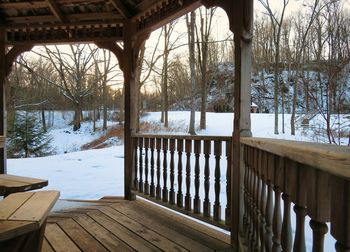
(12, 184)
(23, 219)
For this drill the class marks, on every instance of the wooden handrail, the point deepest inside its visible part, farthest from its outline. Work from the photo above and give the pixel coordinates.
(314, 177)
(333, 159)
(184, 137)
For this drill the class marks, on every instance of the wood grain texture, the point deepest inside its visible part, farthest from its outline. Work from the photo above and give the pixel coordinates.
(56, 237)
(11, 229)
(11, 184)
(80, 236)
(10, 204)
(136, 225)
(24, 213)
(37, 207)
(142, 231)
(330, 158)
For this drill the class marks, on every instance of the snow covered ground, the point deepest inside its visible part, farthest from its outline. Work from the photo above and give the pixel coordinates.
(93, 174)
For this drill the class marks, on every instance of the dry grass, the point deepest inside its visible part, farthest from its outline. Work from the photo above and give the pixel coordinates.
(118, 132)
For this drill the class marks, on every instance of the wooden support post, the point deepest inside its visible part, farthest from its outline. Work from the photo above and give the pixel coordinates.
(130, 108)
(241, 23)
(3, 168)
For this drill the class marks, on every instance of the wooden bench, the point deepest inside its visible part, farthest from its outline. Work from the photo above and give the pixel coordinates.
(23, 220)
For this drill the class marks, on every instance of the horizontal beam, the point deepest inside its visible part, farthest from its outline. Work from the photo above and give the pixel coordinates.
(185, 137)
(98, 16)
(62, 41)
(51, 36)
(41, 4)
(69, 26)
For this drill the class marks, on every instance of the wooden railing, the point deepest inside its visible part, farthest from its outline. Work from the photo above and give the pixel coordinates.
(179, 171)
(315, 178)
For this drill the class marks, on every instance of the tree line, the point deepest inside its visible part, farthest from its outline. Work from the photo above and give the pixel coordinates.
(309, 55)
(300, 66)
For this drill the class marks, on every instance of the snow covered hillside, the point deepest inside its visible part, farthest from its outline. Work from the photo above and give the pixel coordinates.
(92, 174)
(95, 173)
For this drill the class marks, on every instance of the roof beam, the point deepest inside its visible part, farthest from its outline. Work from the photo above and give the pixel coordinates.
(40, 4)
(121, 8)
(56, 11)
(108, 17)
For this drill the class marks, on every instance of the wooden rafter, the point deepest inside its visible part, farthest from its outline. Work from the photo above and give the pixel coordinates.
(121, 8)
(56, 10)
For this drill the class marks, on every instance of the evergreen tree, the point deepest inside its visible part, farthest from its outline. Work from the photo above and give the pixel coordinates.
(27, 138)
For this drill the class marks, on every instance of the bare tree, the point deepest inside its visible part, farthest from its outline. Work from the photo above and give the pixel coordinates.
(276, 23)
(105, 76)
(206, 19)
(190, 21)
(299, 49)
(73, 68)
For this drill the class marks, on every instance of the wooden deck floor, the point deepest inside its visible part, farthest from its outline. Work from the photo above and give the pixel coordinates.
(113, 224)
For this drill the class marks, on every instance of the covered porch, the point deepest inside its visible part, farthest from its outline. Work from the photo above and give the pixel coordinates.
(258, 173)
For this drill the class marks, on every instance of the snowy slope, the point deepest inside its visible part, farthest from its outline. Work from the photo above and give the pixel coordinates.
(93, 174)
(88, 174)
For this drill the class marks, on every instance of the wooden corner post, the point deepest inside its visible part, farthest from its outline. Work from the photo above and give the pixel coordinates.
(241, 23)
(129, 107)
(131, 51)
(3, 168)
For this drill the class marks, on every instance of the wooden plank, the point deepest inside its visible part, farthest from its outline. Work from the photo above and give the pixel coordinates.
(56, 237)
(329, 158)
(83, 239)
(101, 234)
(5, 183)
(178, 232)
(46, 247)
(10, 204)
(11, 184)
(27, 180)
(37, 207)
(11, 229)
(197, 227)
(123, 233)
(156, 239)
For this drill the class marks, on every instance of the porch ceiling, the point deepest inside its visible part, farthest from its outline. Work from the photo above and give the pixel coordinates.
(62, 21)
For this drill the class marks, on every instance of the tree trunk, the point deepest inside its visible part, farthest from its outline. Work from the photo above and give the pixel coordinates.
(77, 117)
(294, 107)
(43, 120)
(94, 119)
(121, 106)
(104, 102)
(190, 27)
(165, 76)
(276, 87)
